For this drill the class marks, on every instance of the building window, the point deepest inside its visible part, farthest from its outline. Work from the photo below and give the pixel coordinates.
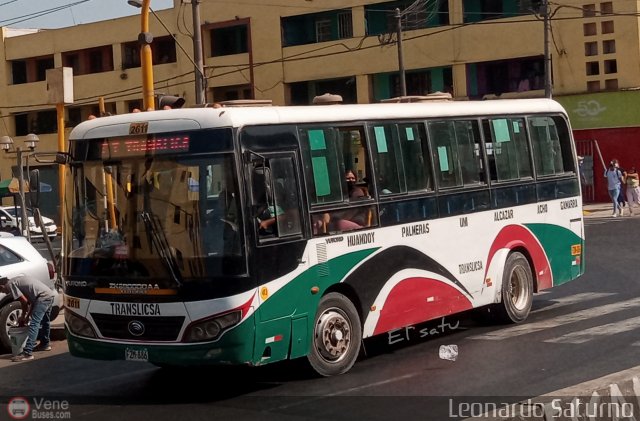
(136, 104)
(590, 29)
(229, 40)
(606, 8)
(38, 122)
(230, 93)
(323, 30)
(610, 66)
(593, 86)
(93, 60)
(130, 55)
(588, 10)
(21, 122)
(498, 77)
(316, 27)
(345, 27)
(609, 46)
(607, 27)
(302, 93)
(478, 10)
(31, 69)
(19, 71)
(593, 68)
(163, 50)
(74, 116)
(380, 18)
(611, 84)
(591, 48)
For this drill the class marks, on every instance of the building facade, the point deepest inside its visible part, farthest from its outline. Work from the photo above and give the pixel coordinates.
(289, 51)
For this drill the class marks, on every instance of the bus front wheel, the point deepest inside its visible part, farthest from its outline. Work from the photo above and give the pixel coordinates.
(517, 290)
(337, 335)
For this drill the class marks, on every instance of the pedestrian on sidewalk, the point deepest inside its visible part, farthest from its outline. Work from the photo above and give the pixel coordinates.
(622, 197)
(36, 299)
(633, 188)
(614, 183)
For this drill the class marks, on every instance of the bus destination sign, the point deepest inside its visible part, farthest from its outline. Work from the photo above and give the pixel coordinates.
(140, 146)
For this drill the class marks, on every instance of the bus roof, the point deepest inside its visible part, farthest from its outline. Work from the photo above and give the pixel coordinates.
(200, 118)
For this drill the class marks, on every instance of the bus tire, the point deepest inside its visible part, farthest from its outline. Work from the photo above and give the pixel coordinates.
(337, 334)
(517, 290)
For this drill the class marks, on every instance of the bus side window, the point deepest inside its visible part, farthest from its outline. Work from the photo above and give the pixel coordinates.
(275, 199)
(387, 160)
(507, 141)
(445, 152)
(286, 197)
(552, 150)
(355, 160)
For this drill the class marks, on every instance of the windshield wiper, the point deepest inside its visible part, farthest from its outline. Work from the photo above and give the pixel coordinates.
(159, 240)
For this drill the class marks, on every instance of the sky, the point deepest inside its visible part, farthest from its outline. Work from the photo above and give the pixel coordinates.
(49, 14)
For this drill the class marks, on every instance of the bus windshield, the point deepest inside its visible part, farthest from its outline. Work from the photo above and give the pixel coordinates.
(166, 220)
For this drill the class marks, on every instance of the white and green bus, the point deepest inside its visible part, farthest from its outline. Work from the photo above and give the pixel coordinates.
(231, 236)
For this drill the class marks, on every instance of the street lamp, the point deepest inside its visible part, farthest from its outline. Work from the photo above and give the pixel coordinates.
(6, 143)
(146, 59)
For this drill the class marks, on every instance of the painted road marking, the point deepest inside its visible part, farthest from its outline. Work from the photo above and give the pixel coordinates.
(596, 332)
(564, 319)
(572, 299)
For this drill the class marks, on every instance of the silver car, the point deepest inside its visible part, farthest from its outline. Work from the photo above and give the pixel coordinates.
(19, 257)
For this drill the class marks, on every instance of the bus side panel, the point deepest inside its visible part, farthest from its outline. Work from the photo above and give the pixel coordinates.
(402, 286)
(289, 302)
(272, 340)
(558, 243)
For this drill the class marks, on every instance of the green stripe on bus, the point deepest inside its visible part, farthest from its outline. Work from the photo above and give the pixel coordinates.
(556, 242)
(296, 296)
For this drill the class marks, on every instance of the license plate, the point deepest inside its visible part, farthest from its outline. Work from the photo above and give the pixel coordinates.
(137, 354)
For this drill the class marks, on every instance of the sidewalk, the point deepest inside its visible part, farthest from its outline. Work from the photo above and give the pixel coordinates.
(604, 210)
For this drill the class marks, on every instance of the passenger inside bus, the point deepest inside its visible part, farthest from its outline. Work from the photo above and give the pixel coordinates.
(355, 191)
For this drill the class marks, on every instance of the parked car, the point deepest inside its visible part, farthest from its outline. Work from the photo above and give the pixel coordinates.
(19, 257)
(9, 216)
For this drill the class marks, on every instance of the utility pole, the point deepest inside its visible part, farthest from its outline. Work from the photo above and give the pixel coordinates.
(547, 57)
(197, 53)
(403, 80)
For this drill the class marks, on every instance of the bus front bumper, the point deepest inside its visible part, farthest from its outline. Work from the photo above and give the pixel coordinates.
(225, 351)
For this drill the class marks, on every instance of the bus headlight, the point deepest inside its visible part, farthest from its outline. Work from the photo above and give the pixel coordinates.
(78, 325)
(211, 329)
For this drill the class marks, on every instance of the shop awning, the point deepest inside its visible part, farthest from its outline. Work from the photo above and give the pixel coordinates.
(11, 186)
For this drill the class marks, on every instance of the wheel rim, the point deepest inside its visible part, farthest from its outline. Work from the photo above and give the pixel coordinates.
(519, 288)
(12, 319)
(333, 335)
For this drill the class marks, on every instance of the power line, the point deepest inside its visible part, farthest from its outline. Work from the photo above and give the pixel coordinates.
(20, 19)
(9, 2)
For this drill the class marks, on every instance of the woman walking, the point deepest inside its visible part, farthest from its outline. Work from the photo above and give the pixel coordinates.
(633, 188)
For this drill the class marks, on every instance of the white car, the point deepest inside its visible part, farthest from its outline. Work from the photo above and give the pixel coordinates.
(19, 257)
(9, 222)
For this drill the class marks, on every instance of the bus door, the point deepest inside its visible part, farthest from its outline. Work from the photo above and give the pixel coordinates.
(279, 256)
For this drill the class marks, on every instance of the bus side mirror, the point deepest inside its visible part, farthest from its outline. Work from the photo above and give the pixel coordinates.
(62, 158)
(34, 188)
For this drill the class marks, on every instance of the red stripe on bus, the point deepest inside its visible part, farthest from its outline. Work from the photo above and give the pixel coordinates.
(415, 300)
(513, 236)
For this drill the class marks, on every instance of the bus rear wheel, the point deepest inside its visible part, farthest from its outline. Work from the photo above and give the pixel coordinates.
(337, 335)
(517, 290)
